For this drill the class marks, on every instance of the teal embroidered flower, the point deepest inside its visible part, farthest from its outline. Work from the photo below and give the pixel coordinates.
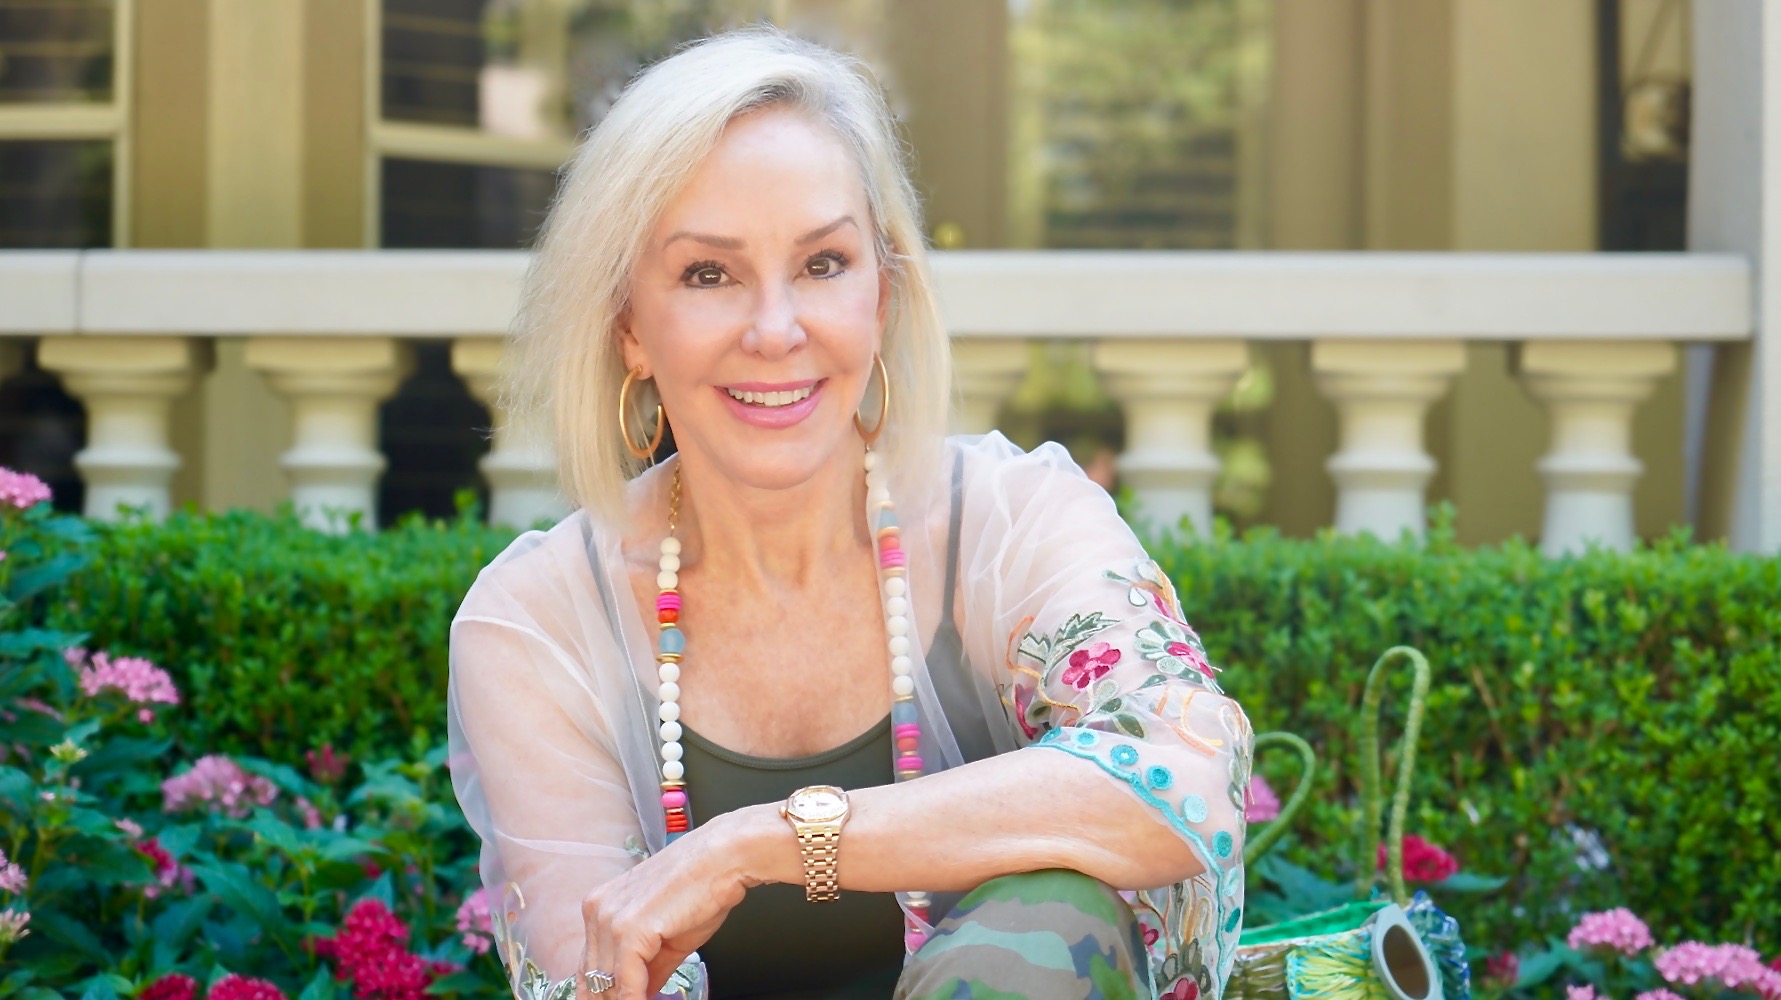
(1193, 809)
(1159, 777)
(1125, 755)
(1223, 843)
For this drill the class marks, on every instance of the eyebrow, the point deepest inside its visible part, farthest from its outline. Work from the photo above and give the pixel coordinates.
(732, 243)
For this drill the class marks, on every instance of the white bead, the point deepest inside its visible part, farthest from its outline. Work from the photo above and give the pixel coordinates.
(880, 496)
(670, 562)
(896, 606)
(902, 686)
(669, 672)
(902, 666)
(674, 770)
(899, 645)
(671, 546)
(667, 580)
(671, 751)
(895, 586)
(874, 480)
(670, 692)
(669, 712)
(670, 732)
(871, 460)
(896, 625)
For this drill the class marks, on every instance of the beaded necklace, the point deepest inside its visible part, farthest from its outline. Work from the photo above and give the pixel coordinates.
(894, 592)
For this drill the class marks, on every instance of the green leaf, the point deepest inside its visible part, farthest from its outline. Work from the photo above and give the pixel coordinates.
(1468, 882)
(321, 987)
(181, 919)
(1536, 969)
(238, 889)
(275, 832)
(462, 981)
(34, 580)
(58, 926)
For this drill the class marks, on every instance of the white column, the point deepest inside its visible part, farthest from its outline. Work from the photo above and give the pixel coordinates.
(1382, 390)
(1168, 389)
(334, 385)
(1590, 389)
(128, 385)
(520, 465)
(985, 370)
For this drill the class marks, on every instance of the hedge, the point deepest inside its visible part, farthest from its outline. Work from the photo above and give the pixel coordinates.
(1601, 729)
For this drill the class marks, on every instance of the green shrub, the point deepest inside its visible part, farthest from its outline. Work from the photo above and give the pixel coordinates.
(282, 638)
(1623, 707)
(1609, 708)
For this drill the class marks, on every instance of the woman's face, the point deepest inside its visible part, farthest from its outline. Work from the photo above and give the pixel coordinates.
(758, 302)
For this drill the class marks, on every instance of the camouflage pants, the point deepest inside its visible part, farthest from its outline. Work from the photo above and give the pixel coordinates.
(1053, 935)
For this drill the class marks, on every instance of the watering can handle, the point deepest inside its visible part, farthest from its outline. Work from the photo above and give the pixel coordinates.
(1372, 790)
(1301, 792)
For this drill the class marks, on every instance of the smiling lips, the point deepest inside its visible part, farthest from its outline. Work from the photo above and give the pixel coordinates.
(773, 405)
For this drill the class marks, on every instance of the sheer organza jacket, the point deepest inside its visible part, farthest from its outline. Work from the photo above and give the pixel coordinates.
(1068, 640)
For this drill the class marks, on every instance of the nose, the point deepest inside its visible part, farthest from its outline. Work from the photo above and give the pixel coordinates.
(775, 331)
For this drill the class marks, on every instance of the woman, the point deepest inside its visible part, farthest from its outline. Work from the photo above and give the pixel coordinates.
(748, 723)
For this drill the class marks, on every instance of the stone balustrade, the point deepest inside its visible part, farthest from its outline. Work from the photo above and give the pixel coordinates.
(128, 331)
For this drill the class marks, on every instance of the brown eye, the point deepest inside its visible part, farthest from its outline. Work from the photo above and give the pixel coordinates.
(708, 277)
(823, 266)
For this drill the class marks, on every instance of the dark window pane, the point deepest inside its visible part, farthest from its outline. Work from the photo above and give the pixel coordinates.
(429, 204)
(55, 50)
(433, 53)
(433, 433)
(55, 193)
(41, 428)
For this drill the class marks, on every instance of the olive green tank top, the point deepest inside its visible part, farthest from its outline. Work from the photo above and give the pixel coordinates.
(775, 944)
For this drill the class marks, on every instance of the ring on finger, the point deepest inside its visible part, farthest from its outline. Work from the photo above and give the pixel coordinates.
(597, 981)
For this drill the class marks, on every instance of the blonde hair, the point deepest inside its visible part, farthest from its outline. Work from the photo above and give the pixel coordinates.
(564, 363)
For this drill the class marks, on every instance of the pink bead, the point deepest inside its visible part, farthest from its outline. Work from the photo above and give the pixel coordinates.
(914, 940)
(668, 600)
(906, 729)
(674, 800)
(909, 763)
(891, 557)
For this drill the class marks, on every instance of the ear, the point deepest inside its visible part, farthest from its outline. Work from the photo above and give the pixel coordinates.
(629, 347)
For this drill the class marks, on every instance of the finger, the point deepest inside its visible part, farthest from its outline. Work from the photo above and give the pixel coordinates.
(598, 952)
(633, 976)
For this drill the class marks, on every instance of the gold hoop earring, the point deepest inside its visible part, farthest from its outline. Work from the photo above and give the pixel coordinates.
(624, 420)
(869, 436)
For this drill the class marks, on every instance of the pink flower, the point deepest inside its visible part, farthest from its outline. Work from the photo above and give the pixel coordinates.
(1023, 700)
(1580, 993)
(1612, 930)
(1690, 962)
(131, 828)
(1423, 861)
(135, 678)
(169, 874)
(12, 925)
(170, 987)
(21, 489)
(1658, 995)
(1740, 967)
(216, 781)
(1185, 988)
(233, 987)
(1261, 803)
(1503, 969)
(326, 766)
(371, 950)
(12, 877)
(312, 817)
(1089, 665)
(474, 923)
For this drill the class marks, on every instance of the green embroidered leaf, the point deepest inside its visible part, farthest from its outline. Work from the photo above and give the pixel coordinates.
(1129, 725)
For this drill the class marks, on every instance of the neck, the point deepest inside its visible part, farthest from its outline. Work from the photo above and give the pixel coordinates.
(772, 539)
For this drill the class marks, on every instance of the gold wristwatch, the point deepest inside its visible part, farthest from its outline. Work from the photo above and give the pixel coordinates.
(817, 814)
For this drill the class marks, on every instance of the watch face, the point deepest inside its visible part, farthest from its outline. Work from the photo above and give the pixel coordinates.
(817, 804)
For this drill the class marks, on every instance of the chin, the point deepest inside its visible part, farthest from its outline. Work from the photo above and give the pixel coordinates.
(781, 465)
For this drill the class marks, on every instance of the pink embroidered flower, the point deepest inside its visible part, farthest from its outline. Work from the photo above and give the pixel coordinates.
(21, 489)
(371, 950)
(1023, 702)
(1261, 804)
(138, 680)
(1184, 989)
(1611, 930)
(12, 877)
(1423, 861)
(1503, 969)
(1585, 992)
(216, 781)
(1090, 664)
(170, 987)
(474, 923)
(13, 925)
(233, 987)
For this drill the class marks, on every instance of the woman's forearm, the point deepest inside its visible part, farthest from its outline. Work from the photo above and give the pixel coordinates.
(1024, 811)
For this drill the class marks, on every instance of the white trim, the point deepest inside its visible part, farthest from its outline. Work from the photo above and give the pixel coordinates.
(60, 121)
(1013, 294)
(458, 144)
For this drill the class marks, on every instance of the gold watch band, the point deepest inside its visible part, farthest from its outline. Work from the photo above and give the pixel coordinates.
(820, 844)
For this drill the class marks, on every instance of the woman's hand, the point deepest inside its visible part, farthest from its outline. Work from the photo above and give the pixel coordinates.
(644, 923)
